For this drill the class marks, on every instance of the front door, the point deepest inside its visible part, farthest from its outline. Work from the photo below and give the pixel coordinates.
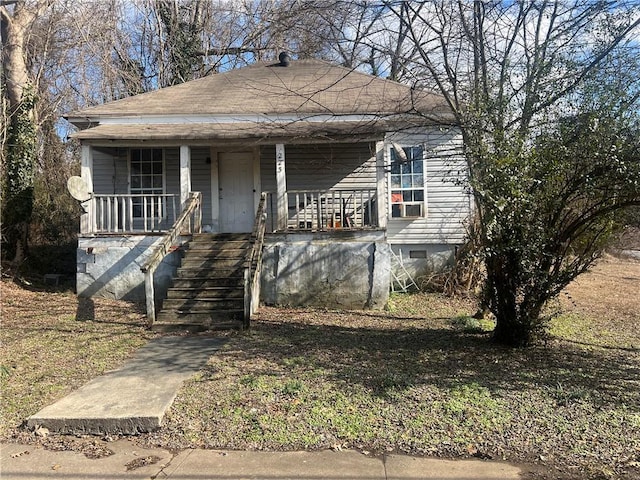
(236, 192)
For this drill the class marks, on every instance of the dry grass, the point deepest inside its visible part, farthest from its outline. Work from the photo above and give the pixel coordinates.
(607, 299)
(52, 343)
(421, 377)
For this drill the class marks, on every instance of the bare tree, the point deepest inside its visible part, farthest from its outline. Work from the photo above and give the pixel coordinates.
(57, 55)
(21, 139)
(544, 191)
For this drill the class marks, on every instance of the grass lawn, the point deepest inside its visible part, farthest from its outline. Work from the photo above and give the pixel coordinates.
(51, 344)
(421, 378)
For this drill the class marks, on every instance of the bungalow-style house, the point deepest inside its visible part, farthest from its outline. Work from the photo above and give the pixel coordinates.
(294, 183)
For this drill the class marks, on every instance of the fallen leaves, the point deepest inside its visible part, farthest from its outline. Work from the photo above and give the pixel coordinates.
(142, 462)
(20, 454)
(47, 351)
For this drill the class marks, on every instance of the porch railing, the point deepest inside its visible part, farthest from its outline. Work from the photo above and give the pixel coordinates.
(190, 221)
(133, 213)
(321, 210)
(253, 264)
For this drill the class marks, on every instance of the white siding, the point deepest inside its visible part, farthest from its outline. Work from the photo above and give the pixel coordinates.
(322, 166)
(172, 170)
(448, 205)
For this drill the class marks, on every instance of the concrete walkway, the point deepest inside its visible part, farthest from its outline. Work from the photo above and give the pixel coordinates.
(134, 398)
(19, 462)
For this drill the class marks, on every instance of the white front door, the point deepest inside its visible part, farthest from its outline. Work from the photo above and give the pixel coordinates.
(236, 192)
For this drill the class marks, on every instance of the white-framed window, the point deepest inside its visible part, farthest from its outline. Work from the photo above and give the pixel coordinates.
(146, 172)
(407, 183)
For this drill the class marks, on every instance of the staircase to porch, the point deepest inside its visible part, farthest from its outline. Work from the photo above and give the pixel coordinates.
(208, 291)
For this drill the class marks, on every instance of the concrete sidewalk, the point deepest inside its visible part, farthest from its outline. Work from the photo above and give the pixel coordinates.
(19, 462)
(134, 398)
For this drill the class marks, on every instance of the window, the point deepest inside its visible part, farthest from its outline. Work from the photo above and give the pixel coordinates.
(147, 177)
(407, 183)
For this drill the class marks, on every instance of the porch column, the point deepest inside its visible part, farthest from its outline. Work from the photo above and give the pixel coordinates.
(281, 188)
(381, 182)
(86, 173)
(185, 174)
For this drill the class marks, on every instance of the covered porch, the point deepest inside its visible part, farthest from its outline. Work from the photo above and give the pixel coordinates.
(309, 199)
(306, 211)
(314, 216)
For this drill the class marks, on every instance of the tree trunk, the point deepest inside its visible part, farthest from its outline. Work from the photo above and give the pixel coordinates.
(514, 325)
(518, 321)
(22, 133)
(512, 332)
(15, 30)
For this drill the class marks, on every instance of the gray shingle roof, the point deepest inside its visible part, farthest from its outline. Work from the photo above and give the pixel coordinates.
(304, 87)
(255, 132)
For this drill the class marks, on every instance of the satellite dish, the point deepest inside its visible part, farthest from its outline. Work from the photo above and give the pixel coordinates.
(78, 189)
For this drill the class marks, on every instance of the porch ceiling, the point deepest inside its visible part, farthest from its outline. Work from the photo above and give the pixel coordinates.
(263, 132)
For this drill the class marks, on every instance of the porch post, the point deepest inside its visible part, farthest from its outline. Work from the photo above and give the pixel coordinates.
(86, 173)
(381, 181)
(185, 174)
(281, 188)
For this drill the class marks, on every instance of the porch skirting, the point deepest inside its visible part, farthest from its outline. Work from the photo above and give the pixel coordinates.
(109, 267)
(338, 269)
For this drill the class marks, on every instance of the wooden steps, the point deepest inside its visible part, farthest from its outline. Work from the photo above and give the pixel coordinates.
(208, 289)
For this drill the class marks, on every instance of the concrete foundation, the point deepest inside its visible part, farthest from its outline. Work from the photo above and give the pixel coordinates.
(348, 270)
(110, 267)
(423, 260)
(338, 269)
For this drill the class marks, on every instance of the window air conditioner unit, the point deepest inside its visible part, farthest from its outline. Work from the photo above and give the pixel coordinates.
(411, 210)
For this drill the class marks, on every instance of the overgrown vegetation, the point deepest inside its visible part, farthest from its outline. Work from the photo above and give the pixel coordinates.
(548, 212)
(17, 186)
(548, 115)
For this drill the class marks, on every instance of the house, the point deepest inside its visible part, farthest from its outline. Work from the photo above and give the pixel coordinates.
(323, 183)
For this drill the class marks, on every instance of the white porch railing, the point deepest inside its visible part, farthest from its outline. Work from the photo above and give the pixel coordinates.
(133, 213)
(315, 210)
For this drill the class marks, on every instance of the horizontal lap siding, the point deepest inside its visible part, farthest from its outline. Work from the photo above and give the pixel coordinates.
(110, 171)
(448, 204)
(172, 170)
(201, 179)
(322, 167)
(268, 168)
